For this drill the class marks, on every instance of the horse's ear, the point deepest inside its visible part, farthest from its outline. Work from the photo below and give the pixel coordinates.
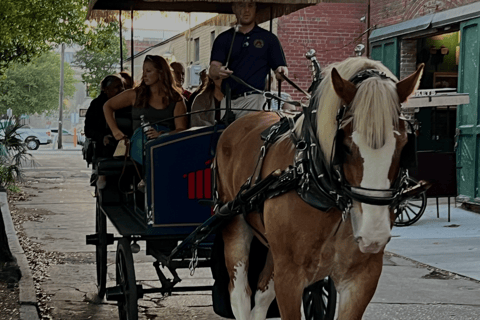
(344, 88)
(407, 86)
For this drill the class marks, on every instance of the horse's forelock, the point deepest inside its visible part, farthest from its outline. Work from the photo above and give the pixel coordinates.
(376, 110)
(329, 102)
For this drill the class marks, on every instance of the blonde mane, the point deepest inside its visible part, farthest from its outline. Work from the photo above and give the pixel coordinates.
(375, 107)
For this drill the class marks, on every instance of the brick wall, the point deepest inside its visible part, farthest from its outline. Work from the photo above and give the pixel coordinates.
(387, 12)
(332, 29)
(408, 57)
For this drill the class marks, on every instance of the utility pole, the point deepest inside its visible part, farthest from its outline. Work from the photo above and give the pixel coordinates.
(60, 113)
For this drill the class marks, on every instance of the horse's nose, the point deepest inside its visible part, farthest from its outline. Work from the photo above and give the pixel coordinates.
(373, 247)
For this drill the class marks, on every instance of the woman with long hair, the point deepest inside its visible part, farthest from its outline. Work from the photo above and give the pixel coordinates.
(157, 98)
(210, 98)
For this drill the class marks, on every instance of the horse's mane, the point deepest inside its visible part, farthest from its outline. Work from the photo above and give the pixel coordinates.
(375, 107)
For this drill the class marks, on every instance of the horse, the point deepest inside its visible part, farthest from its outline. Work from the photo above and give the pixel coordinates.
(306, 244)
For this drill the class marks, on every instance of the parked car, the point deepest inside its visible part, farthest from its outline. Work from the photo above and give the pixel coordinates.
(33, 137)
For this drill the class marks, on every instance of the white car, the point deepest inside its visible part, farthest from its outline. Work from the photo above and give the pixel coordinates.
(33, 137)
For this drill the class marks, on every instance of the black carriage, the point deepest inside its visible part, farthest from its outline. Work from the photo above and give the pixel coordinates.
(167, 203)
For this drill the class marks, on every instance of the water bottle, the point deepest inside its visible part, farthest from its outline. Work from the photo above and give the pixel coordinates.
(145, 126)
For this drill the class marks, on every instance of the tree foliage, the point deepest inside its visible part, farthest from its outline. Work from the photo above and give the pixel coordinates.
(31, 27)
(100, 56)
(34, 87)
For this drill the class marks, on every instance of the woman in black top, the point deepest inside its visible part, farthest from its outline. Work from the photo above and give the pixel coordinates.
(157, 98)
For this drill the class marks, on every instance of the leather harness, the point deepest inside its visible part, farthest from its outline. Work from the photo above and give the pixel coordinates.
(319, 182)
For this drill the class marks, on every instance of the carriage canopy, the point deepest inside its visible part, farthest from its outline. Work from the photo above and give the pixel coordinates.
(266, 9)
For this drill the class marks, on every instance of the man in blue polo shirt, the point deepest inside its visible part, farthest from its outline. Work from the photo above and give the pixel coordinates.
(255, 52)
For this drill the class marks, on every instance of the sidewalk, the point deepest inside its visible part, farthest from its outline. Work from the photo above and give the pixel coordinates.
(27, 297)
(453, 246)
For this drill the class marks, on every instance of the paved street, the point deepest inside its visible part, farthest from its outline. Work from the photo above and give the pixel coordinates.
(407, 290)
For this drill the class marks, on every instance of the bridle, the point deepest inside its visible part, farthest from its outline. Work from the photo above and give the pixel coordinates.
(327, 178)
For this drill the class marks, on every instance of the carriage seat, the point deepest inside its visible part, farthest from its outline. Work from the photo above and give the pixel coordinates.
(112, 166)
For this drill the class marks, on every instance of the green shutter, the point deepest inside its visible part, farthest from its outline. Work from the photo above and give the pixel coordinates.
(468, 119)
(388, 52)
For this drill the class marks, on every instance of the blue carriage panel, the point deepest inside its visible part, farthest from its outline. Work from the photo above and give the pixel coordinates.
(178, 175)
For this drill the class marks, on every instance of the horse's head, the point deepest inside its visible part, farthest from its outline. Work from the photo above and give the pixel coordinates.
(369, 148)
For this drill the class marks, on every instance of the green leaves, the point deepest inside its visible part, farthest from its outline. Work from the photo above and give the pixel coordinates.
(100, 56)
(29, 28)
(34, 87)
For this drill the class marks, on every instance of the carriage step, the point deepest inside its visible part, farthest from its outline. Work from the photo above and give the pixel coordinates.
(94, 239)
(116, 293)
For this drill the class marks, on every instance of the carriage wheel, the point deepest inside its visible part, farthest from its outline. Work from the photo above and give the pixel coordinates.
(127, 304)
(411, 210)
(319, 300)
(101, 251)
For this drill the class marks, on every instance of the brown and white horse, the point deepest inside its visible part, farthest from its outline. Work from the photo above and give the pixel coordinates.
(306, 244)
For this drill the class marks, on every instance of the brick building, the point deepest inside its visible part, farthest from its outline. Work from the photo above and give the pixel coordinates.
(445, 36)
(331, 29)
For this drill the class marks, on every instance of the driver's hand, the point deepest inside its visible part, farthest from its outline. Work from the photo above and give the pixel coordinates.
(282, 70)
(224, 73)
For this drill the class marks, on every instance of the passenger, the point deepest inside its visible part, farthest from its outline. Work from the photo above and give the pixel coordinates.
(209, 98)
(255, 52)
(127, 79)
(179, 72)
(157, 98)
(96, 128)
(203, 84)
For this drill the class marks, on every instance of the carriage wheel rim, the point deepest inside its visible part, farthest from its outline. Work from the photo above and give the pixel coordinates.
(101, 252)
(125, 279)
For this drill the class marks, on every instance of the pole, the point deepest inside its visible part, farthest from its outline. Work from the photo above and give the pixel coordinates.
(367, 53)
(132, 46)
(270, 73)
(60, 102)
(121, 41)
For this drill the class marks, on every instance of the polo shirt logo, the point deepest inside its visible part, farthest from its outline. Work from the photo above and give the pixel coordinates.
(258, 44)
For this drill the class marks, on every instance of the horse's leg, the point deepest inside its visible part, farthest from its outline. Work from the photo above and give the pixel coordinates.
(265, 291)
(356, 293)
(289, 293)
(237, 238)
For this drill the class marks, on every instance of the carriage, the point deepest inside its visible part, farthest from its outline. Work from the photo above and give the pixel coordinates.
(173, 212)
(168, 204)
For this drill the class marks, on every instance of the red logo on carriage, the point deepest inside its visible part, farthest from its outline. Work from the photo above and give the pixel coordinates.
(200, 183)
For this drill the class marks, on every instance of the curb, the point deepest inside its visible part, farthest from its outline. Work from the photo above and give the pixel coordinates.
(27, 297)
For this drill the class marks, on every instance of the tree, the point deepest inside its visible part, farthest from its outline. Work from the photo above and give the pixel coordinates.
(31, 27)
(34, 87)
(100, 57)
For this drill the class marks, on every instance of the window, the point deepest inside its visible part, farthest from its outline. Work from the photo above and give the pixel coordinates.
(212, 38)
(196, 47)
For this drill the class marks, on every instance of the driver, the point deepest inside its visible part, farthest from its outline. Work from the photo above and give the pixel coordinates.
(255, 52)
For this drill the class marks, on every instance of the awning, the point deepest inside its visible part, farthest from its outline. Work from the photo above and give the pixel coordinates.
(431, 21)
(456, 15)
(401, 28)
